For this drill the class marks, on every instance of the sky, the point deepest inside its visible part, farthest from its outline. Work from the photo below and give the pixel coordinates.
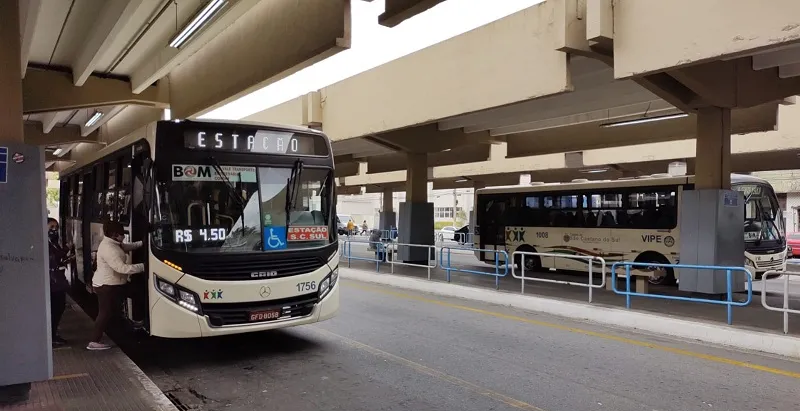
(374, 45)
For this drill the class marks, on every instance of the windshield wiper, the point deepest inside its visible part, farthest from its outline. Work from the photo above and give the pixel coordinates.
(292, 185)
(232, 193)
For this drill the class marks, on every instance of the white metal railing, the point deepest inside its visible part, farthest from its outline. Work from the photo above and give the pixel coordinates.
(785, 309)
(588, 258)
(392, 249)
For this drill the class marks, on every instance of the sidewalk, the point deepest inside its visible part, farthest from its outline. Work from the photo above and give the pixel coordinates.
(87, 381)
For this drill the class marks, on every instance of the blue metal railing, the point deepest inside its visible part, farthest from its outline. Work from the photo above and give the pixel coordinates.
(728, 276)
(380, 251)
(445, 264)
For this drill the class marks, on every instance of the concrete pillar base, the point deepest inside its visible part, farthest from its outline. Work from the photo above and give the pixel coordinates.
(416, 227)
(712, 234)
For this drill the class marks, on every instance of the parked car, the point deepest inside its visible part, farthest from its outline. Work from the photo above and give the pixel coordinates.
(447, 233)
(793, 244)
(341, 228)
(462, 235)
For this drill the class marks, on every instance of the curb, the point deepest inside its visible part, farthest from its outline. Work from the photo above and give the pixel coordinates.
(156, 399)
(693, 330)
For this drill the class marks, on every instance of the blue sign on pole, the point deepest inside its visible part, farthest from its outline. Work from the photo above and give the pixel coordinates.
(3, 164)
(274, 237)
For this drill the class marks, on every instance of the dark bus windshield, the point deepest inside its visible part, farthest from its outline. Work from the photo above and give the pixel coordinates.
(763, 219)
(229, 208)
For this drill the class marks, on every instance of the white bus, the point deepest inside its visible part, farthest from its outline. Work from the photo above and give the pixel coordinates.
(237, 219)
(620, 220)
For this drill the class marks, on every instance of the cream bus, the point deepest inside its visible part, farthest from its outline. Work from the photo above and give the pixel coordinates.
(632, 219)
(237, 221)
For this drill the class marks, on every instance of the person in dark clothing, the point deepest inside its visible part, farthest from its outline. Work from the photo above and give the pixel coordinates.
(59, 257)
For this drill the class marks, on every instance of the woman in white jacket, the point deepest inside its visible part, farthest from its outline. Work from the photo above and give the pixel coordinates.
(110, 278)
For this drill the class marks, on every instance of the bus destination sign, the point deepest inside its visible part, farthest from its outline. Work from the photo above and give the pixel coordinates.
(261, 141)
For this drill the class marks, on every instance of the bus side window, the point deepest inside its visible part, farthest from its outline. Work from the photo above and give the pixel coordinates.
(124, 195)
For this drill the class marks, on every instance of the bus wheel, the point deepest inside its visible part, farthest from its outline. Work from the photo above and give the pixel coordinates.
(532, 262)
(666, 276)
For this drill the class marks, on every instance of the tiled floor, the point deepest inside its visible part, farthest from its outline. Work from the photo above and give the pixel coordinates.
(87, 380)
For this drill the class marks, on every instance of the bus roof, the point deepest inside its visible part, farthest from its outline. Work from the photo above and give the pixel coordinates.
(654, 180)
(148, 130)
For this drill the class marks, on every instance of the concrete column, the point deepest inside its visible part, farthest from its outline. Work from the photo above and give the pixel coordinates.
(10, 80)
(25, 348)
(713, 158)
(417, 178)
(388, 217)
(416, 213)
(711, 229)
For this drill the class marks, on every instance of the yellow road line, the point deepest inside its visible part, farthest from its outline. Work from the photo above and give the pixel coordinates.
(69, 376)
(433, 372)
(630, 341)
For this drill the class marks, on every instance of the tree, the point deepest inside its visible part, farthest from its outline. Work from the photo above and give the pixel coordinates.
(461, 218)
(52, 197)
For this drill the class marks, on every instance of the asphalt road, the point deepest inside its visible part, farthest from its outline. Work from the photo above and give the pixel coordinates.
(398, 350)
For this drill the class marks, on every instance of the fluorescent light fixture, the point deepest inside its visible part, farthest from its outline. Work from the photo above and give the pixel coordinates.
(645, 120)
(93, 119)
(58, 152)
(594, 170)
(446, 150)
(211, 8)
(463, 180)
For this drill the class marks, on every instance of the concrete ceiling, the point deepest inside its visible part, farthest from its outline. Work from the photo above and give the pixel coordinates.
(79, 57)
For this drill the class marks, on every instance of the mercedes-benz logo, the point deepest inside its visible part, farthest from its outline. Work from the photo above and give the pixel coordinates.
(264, 292)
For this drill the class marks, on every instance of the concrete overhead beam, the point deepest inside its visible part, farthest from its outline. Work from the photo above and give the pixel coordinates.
(273, 40)
(734, 83)
(591, 135)
(128, 120)
(398, 11)
(396, 95)
(57, 136)
(458, 155)
(45, 91)
(429, 139)
(112, 18)
(630, 112)
(28, 12)
(653, 36)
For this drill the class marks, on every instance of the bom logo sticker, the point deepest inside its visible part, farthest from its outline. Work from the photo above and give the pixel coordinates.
(669, 241)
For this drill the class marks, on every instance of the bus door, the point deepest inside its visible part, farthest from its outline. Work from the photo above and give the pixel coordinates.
(492, 223)
(83, 249)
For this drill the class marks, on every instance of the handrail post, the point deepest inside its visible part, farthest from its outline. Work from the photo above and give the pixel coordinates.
(729, 287)
(522, 269)
(785, 303)
(429, 260)
(591, 278)
(628, 286)
(496, 270)
(349, 251)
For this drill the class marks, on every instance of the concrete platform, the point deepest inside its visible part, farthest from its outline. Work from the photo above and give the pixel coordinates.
(91, 380)
(753, 316)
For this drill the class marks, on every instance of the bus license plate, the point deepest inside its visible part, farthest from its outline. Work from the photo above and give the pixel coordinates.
(265, 315)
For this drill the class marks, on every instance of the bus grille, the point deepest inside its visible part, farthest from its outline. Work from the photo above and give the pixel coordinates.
(222, 314)
(248, 269)
(777, 263)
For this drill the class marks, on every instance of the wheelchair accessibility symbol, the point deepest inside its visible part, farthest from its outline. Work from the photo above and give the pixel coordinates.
(274, 238)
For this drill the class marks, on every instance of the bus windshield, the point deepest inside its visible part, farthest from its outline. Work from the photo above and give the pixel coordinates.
(763, 220)
(225, 208)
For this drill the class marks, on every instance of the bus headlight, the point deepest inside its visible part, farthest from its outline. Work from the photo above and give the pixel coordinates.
(327, 284)
(178, 294)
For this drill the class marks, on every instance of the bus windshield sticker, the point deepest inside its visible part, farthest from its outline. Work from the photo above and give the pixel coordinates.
(274, 237)
(194, 172)
(308, 233)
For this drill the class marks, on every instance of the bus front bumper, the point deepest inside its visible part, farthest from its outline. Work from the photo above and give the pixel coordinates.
(168, 320)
